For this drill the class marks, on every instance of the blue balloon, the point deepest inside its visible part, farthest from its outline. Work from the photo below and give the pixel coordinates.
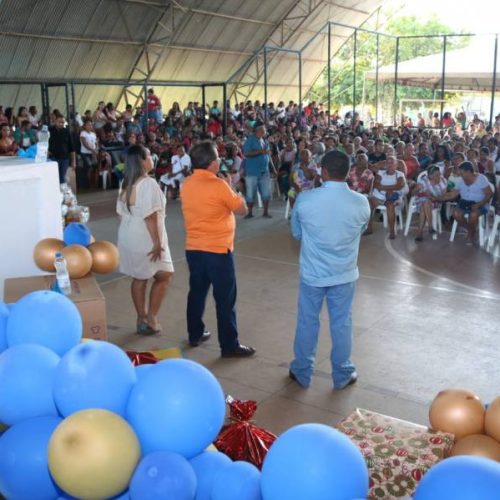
(4, 315)
(26, 377)
(45, 318)
(77, 234)
(177, 405)
(206, 467)
(140, 370)
(24, 471)
(316, 462)
(161, 475)
(239, 480)
(461, 478)
(93, 375)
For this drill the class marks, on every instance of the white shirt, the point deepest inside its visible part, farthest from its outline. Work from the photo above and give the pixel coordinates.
(91, 139)
(180, 162)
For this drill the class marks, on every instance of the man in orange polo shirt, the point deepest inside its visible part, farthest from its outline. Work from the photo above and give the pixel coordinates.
(209, 206)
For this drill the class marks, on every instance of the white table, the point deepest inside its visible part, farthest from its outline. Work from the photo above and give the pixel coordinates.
(30, 210)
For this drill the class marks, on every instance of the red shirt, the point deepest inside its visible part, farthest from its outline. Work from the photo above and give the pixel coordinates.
(153, 103)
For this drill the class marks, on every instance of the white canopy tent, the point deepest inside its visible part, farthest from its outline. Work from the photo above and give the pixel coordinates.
(468, 69)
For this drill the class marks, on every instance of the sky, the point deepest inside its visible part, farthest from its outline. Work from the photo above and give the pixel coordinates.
(472, 17)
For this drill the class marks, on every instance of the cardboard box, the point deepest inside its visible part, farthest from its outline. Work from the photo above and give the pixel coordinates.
(85, 293)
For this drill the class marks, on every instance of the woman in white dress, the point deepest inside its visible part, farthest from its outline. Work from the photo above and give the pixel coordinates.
(142, 238)
(388, 190)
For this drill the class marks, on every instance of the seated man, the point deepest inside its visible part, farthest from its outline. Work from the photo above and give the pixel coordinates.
(181, 168)
(475, 194)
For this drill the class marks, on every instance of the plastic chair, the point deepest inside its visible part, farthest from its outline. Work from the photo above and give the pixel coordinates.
(482, 229)
(104, 174)
(412, 208)
(399, 217)
(287, 208)
(493, 233)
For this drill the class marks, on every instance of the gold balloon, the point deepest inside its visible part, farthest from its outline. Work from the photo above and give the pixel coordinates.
(93, 453)
(457, 411)
(45, 251)
(477, 445)
(105, 257)
(78, 260)
(492, 419)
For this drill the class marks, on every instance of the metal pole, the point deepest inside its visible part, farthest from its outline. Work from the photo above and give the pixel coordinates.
(443, 77)
(395, 106)
(224, 108)
(145, 121)
(354, 74)
(329, 73)
(300, 83)
(494, 82)
(66, 95)
(265, 85)
(376, 77)
(204, 105)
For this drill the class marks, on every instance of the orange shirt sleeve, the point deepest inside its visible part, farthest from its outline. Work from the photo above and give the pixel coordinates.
(229, 197)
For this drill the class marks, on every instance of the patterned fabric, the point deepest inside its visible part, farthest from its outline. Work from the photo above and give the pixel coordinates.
(428, 190)
(397, 453)
(361, 183)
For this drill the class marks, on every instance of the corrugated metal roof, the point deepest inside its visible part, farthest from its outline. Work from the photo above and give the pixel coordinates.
(97, 39)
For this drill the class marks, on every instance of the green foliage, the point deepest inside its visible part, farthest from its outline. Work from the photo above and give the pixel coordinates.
(366, 59)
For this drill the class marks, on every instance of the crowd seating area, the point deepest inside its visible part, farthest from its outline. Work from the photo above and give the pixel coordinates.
(425, 168)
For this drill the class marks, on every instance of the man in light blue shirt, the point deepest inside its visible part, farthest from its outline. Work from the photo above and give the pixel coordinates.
(329, 222)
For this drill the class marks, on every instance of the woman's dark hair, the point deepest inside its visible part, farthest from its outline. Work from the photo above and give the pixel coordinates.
(202, 154)
(485, 151)
(432, 169)
(133, 170)
(446, 151)
(21, 109)
(9, 112)
(32, 109)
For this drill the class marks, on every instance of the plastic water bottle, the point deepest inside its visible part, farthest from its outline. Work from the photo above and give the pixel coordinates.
(42, 146)
(62, 275)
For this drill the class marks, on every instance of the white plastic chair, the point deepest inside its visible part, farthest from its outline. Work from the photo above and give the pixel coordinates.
(104, 174)
(399, 217)
(287, 208)
(483, 230)
(493, 233)
(412, 208)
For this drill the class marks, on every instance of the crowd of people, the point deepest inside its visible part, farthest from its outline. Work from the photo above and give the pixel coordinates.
(435, 161)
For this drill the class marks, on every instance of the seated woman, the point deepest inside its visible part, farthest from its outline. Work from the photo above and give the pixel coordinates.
(388, 190)
(475, 194)
(231, 165)
(303, 178)
(8, 146)
(411, 162)
(360, 178)
(431, 185)
(287, 159)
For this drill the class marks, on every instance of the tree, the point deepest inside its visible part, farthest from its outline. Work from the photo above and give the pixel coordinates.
(342, 76)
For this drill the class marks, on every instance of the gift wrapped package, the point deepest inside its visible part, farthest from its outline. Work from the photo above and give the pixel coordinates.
(240, 438)
(397, 453)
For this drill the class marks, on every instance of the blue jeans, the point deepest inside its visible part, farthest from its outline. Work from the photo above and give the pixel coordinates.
(63, 165)
(216, 269)
(339, 301)
(262, 182)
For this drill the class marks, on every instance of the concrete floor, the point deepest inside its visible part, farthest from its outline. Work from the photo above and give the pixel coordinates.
(425, 319)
